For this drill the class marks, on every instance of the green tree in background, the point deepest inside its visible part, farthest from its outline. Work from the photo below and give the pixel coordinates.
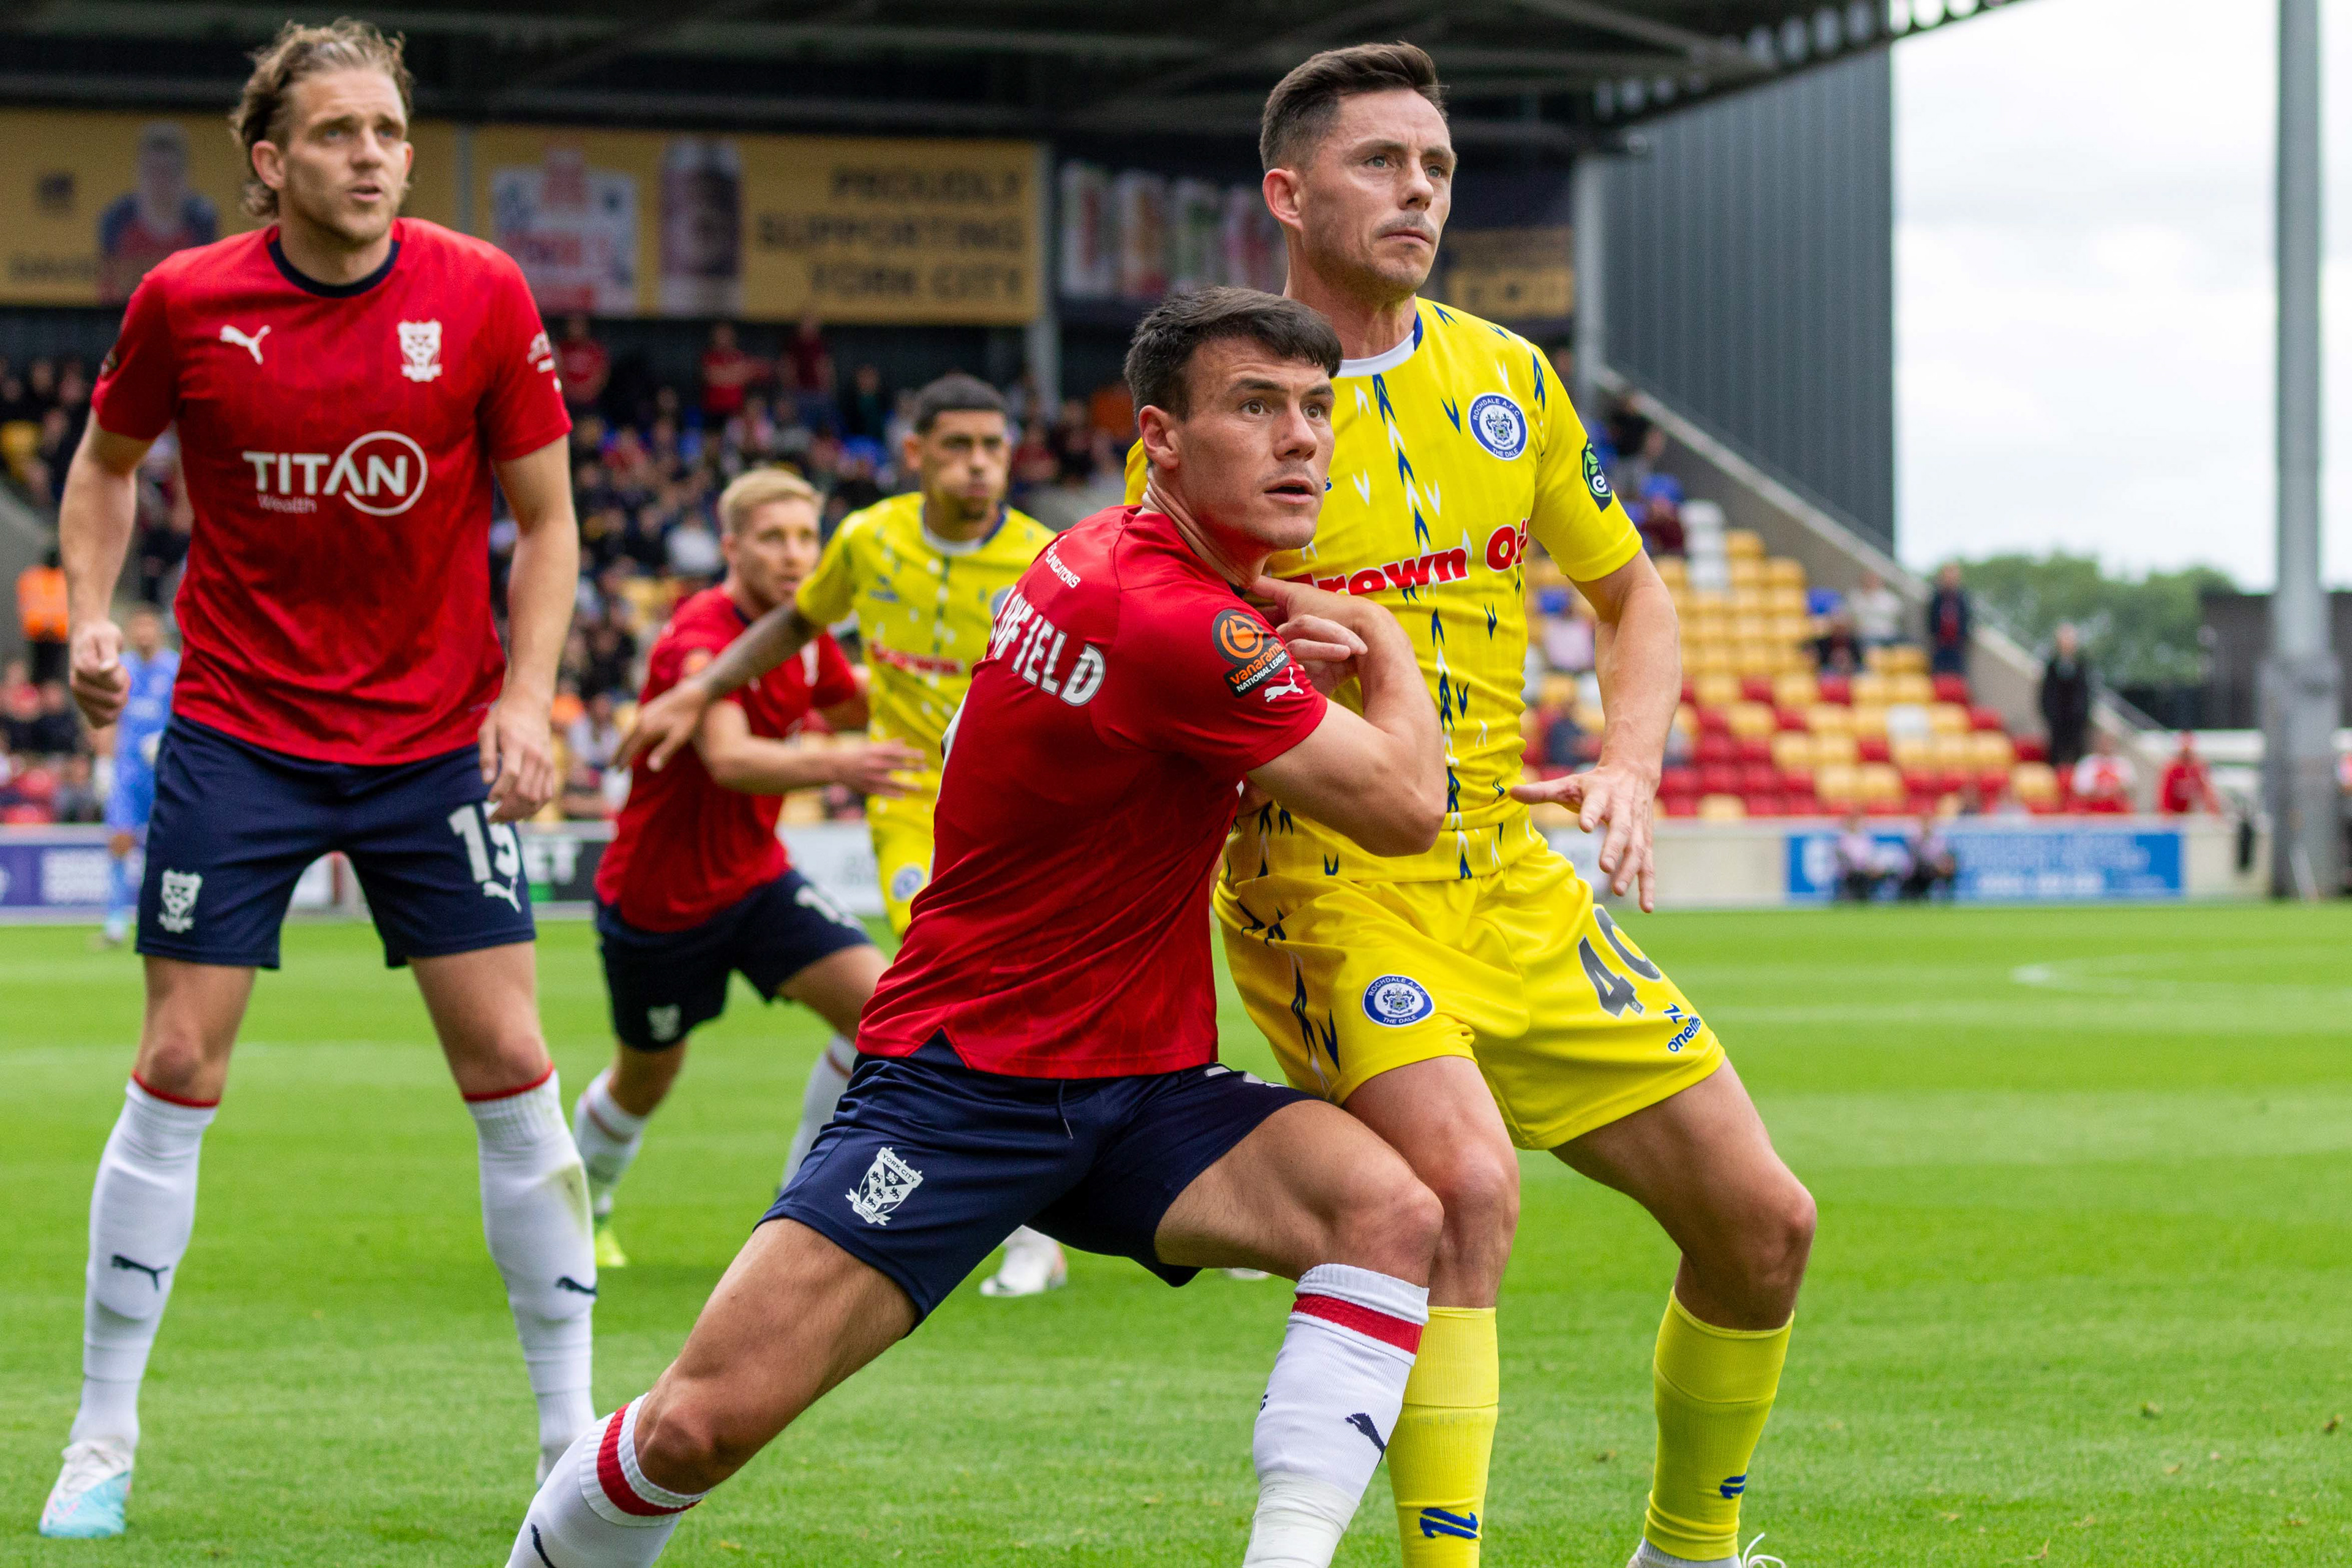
(2139, 632)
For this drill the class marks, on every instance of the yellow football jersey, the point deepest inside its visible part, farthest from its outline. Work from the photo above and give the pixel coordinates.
(1452, 447)
(924, 606)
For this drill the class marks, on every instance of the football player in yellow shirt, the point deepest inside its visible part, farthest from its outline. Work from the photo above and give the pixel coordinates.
(923, 573)
(1477, 996)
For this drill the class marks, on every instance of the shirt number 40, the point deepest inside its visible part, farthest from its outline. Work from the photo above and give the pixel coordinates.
(1616, 992)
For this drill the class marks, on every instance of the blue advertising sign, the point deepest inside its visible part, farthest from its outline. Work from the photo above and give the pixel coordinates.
(2023, 863)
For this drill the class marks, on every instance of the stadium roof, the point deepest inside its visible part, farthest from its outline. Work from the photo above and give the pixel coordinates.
(1544, 74)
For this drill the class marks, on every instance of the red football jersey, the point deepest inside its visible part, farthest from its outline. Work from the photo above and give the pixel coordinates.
(687, 846)
(338, 443)
(1090, 780)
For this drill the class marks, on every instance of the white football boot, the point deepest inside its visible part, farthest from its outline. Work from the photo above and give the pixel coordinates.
(1648, 1556)
(1033, 1264)
(86, 1503)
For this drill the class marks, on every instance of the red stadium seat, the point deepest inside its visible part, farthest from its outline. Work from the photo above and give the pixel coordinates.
(1756, 688)
(1679, 781)
(1758, 778)
(1792, 720)
(1801, 804)
(1717, 749)
(1952, 689)
(1713, 721)
(1887, 807)
(1690, 691)
(1755, 749)
(1986, 719)
(1921, 781)
(1718, 778)
(38, 786)
(1990, 783)
(1796, 781)
(1836, 688)
(1681, 806)
(1765, 806)
(2032, 749)
(1873, 749)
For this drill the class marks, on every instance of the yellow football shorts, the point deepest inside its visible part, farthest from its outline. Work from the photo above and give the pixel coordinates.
(1522, 971)
(901, 827)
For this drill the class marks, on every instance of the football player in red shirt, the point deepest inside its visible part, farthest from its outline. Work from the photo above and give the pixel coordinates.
(695, 886)
(346, 383)
(1044, 1050)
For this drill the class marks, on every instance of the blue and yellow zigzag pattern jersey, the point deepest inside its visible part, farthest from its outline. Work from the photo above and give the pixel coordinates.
(1453, 448)
(924, 606)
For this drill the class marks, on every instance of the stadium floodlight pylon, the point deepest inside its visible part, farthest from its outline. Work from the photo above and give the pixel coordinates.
(2300, 680)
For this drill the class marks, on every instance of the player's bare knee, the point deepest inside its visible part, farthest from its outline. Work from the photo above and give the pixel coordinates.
(1480, 1190)
(689, 1440)
(1391, 1224)
(175, 1059)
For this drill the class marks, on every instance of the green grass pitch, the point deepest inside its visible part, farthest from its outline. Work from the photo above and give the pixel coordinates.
(2080, 1295)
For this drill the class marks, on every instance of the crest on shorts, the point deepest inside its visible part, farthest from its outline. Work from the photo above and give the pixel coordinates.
(180, 890)
(420, 350)
(887, 1183)
(1395, 1000)
(662, 1023)
(906, 881)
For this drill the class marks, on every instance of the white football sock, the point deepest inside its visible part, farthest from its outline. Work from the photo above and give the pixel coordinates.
(1331, 1404)
(596, 1510)
(608, 1139)
(141, 1210)
(1648, 1556)
(826, 1079)
(535, 1217)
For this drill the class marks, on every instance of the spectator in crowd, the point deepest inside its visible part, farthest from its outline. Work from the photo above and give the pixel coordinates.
(2186, 785)
(77, 797)
(2103, 781)
(808, 366)
(583, 798)
(1564, 631)
(2067, 698)
(584, 367)
(1877, 612)
(1838, 650)
(1931, 867)
(726, 375)
(41, 614)
(1861, 869)
(865, 406)
(1660, 508)
(595, 736)
(1949, 623)
(55, 729)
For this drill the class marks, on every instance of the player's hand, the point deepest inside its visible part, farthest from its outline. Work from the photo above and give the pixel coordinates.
(665, 724)
(867, 767)
(517, 759)
(101, 685)
(1314, 626)
(1614, 800)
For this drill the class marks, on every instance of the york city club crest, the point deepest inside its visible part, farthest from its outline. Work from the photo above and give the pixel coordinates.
(888, 1184)
(420, 350)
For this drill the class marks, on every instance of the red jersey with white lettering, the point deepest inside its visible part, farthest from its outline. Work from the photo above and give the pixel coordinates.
(688, 846)
(338, 443)
(1090, 779)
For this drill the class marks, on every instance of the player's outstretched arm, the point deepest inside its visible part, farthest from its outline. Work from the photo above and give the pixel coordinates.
(95, 517)
(518, 753)
(1638, 649)
(674, 717)
(1377, 777)
(739, 760)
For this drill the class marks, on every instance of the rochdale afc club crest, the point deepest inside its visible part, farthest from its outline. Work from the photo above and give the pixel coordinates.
(420, 350)
(887, 1185)
(1395, 1000)
(1596, 477)
(1498, 425)
(906, 881)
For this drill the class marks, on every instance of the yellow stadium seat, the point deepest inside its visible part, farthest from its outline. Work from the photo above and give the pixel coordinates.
(1869, 721)
(1751, 720)
(1748, 601)
(1674, 570)
(1955, 752)
(1686, 721)
(1786, 600)
(1990, 749)
(1718, 689)
(1879, 783)
(1710, 659)
(20, 442)
(1793, 659)
(1794, 748)
(1558, 690)
(1948, 718)
(1704, 600)
(1870, 691)
(1912, 752)
(1829, 719)
(1745, 574)
(1906, 659)
(1797, 689)
(1721, 808)
(1743, 544)
(2035, 783)
(1788, 630)
(1836, 784)
(1589, 718)
(1829, 749)
(1756, 658)
(1910, 686)
(1751, 628)
(1781, 571)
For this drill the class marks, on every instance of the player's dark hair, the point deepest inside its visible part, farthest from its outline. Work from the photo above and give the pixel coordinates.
(297, 52)
(1161, 355)
(955, 393)
(1302, 106)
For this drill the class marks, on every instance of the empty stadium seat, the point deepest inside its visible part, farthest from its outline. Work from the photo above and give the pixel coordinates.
(1878, 782)
(1758, 778)
(1718, 778)
(1987, 719)
(1753, 689)
(1948, 718)
(1798, 689)
(1678, 780)
(1835, 689)
(1831, 718)
(1793, 748)
(1952, 689)
(1721, 808)
(1874, 748)
(1681, 806)
(1868, 720)
(2032, 749)
(2036, 785)
(1868, 690)
(1752, 720)
(1783, 573)
(1837, 784)
(1989, 749)
(1716, 748)
(1835, 748)
(1763, 806)
(1743, 544)
(1716, 690)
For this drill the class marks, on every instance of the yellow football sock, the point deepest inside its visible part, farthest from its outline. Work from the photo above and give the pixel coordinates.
(1714, 1389)
(1445, 1438)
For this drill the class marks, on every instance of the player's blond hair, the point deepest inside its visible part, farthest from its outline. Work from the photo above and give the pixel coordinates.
(753, 490)
(297, 52)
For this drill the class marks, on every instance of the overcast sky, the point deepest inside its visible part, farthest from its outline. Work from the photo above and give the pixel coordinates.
(2083, 265)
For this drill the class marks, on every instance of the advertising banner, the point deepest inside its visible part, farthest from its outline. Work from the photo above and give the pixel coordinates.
(2025, 863)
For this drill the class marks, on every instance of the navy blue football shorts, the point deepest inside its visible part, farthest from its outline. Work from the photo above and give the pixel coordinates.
(927, 1166)
(235, 824)
(665, 984)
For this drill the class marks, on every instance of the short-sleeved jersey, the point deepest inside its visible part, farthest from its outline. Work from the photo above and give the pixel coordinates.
(1090, 780)
(147, 709)
(923, 606)
(338, 443)
(1451, 448)
(687, 846)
